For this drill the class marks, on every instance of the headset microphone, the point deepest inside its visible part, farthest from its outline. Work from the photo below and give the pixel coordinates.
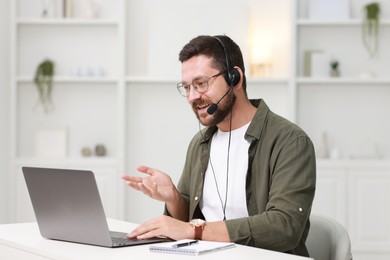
(213, 107)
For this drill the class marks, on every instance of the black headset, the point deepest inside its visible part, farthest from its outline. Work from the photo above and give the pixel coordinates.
(232, 76)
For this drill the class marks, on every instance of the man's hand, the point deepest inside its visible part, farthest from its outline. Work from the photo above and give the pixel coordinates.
(163, 226)
(156, 184)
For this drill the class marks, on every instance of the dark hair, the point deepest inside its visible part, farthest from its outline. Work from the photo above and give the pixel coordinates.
(209, 46)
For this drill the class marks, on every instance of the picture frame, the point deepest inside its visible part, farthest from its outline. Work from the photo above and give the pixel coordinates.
(316, 63)
(50, 142)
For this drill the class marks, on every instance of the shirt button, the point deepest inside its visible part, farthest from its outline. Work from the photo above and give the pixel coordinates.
(300, 209)
(196, 198)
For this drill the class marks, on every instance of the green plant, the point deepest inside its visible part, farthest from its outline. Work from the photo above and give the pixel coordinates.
(334, 65)
(334, 71)
(370, 28)
(44, 82)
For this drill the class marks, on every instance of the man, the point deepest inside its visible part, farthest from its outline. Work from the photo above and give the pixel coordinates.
(249, 176)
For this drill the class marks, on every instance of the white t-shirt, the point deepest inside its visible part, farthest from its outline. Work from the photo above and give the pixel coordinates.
(214, 199)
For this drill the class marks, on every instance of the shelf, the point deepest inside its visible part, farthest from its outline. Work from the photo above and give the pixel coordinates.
(268, 80)
(361, 163)
(66, 79)
(250, 80)
(63, 21)
(351, 22)
(149, 79)
(343, 81)
(77, 161)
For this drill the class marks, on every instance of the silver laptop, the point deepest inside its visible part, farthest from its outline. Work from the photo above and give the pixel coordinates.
(68, 207)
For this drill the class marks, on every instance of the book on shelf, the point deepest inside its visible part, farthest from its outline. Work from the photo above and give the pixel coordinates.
(190, 247)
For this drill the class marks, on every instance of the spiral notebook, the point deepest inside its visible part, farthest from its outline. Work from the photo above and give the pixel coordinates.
(201, 247)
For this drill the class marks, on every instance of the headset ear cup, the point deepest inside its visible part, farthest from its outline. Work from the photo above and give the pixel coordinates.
(227, 77)
(234, 77)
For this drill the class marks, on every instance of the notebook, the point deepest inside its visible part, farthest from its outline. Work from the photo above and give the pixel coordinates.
(68, 207)
(201, 247)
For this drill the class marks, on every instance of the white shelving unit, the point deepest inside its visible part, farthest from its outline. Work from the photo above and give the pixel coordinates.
(352, 111)
(343, 41)
(78, 46)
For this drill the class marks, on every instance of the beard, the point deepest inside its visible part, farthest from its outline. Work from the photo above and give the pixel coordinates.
(223, 110)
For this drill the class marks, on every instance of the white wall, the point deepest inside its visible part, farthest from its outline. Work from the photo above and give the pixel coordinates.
(163, 27)
(3, 107)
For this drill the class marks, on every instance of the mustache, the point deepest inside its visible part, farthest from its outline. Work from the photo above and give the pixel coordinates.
(199, 103)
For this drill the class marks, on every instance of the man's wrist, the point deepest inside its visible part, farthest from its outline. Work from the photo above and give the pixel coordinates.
(198, 226)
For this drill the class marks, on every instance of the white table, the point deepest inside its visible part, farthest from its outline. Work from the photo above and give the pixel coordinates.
(23, 241)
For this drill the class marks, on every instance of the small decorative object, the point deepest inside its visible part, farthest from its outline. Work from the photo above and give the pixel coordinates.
(44, 83)
(370, 29)
(48, 8)
(323, 147)
(367, 74)
(334, 69)
(316, 63)
(83, 71)
(86, 151)
(100, 150)
(68, 8)
(335, 154)
(50, 142)
(91, 9)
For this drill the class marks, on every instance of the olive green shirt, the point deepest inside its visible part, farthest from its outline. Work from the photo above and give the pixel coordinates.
(280, 183)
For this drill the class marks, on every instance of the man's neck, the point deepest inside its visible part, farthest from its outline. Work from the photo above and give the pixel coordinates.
(242, 115)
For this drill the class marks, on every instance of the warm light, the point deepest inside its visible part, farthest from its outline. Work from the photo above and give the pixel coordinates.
(261, 58)
(261, 53)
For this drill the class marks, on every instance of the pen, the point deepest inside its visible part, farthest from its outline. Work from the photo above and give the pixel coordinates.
(185, 244)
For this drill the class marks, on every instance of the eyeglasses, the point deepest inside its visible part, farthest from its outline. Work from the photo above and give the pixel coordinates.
(200, 85)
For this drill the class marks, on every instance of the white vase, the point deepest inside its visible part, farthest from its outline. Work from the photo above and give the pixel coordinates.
(323, 147)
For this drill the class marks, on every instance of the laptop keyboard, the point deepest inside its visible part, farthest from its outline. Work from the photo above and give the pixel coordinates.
(120, 238)
(119, 241)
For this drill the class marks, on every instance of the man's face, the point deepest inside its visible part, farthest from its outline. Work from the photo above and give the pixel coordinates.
(200, 66)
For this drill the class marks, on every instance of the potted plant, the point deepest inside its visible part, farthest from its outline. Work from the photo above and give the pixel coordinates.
(370, 28)
(334, 68)
(44, 82)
